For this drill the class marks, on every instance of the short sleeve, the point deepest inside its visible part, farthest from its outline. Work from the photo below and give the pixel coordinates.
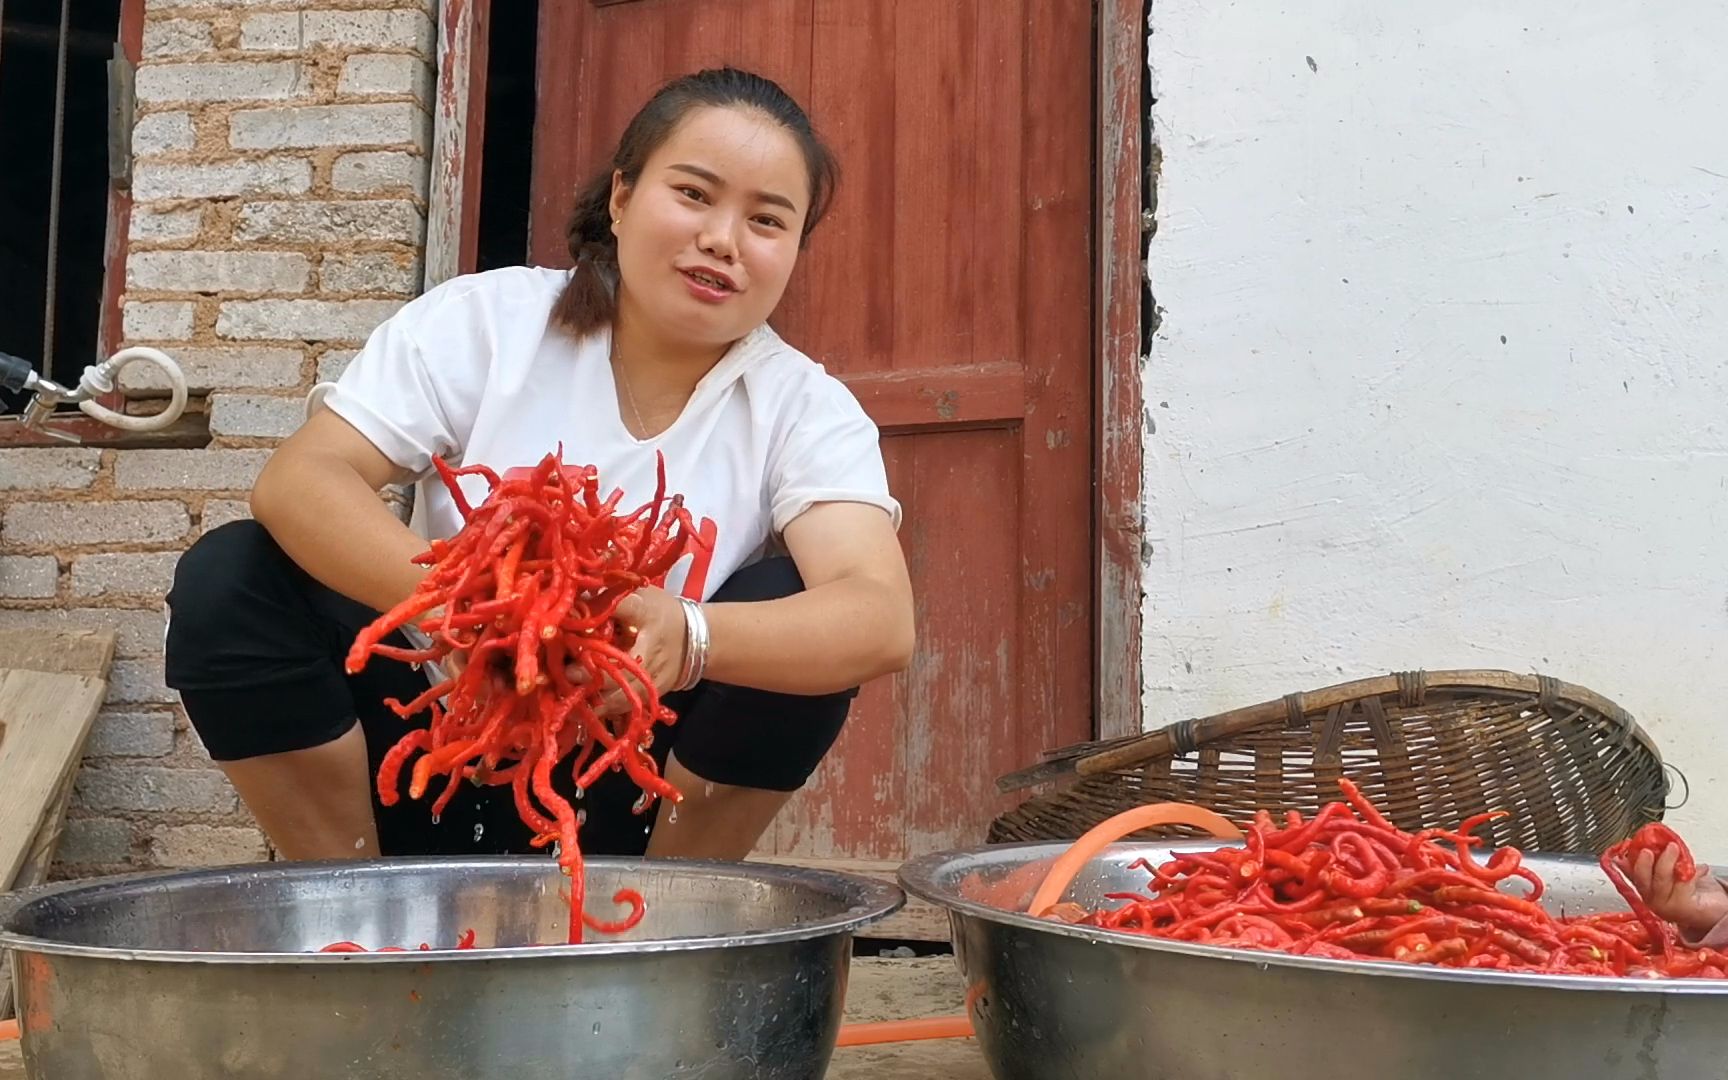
(830, 451)
(411, 401)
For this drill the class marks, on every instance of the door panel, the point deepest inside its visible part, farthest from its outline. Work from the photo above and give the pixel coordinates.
(951, 289)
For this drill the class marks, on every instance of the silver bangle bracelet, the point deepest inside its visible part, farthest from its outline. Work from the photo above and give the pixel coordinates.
(695, 645)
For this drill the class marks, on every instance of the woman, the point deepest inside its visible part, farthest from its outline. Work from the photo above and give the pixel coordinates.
(657, 342)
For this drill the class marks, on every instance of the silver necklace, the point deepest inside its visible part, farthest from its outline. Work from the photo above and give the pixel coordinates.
(629, 396)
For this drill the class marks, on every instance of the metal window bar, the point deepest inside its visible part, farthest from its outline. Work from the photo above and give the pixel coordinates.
(48, 314)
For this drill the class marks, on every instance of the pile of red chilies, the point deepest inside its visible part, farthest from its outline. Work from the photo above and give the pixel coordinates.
(1347, 884)
(528, 587)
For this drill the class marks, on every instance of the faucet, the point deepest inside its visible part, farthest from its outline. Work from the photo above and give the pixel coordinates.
(18, 375)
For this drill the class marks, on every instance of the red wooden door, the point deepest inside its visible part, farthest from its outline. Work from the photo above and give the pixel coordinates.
(951, 289)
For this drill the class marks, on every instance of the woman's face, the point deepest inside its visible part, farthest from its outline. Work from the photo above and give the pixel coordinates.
(708, 234)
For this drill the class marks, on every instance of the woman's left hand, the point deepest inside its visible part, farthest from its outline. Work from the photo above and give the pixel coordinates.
(658, 620)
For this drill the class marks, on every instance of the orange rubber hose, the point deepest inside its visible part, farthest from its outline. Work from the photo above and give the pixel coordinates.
(1056, 882)
(1107, 832)
(891, 1031)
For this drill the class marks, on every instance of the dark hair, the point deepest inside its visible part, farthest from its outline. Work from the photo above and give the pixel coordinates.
(587, 301)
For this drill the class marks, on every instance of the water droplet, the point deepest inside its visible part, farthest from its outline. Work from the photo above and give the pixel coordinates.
(479, 831)
(360, 843)
(672, 818)
(581, 818)
(596, 1027)
(434, 819)
(580, 791)
(708, 788)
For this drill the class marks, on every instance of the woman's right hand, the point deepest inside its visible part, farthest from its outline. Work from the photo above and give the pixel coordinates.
(1695, 906)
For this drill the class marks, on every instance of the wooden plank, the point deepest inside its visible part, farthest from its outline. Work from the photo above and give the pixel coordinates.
(51, 686)
(1119, 413)
(926, 397)
(115, 244)
(917, 921)
(1055, 504)
(458, 137)
(75, 652)
(47, 717)
(190, 432)
(37, 862)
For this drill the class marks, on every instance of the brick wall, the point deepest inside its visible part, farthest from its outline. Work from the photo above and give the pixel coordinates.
(280, 183)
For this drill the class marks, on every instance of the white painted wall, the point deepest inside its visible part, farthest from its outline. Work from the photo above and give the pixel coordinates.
(1443, 374)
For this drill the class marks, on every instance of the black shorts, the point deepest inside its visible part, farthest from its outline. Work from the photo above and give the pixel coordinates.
(256, 648)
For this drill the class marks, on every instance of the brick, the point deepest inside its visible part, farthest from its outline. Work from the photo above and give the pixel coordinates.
(29, 577)
(159, 133)
(380, 170)
(219, 512)
(386, 73)
(310, 126)
(332, 364)
(138, 681)
(176, 37)
(189, 470)
(331, 222)
(222, 369)
(56, 469)
(249, 80)
(147, 790)
(267, 416)
(166, 225)
(298, 31)
(136, 633)
(95, 523)
(226, 179)
(99, 575)
(370, 272)
(219, 271)
(131, 734)
(309, 320)
(95, 842)
(204, 845)
(157, 320)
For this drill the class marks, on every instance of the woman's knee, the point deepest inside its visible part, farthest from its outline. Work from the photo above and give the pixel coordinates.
(224, 567)
(234, 609)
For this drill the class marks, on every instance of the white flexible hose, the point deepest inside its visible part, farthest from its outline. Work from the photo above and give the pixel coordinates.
(98, 379)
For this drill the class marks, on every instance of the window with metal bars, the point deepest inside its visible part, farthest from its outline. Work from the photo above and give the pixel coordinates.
(64, 136)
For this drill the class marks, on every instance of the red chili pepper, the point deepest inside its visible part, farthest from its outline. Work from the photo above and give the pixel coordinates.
(529, 585)
(1346, 884)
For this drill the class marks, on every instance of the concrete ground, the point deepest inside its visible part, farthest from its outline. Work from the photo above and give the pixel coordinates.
(880, 989)
(884, 989)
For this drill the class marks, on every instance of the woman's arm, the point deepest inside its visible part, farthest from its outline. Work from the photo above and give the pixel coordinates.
(852, 622)
(318, 497)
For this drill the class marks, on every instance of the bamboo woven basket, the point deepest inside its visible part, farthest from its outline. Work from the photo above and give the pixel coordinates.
(1574, 769)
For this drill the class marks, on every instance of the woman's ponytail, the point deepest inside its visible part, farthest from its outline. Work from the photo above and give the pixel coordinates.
(587, 303)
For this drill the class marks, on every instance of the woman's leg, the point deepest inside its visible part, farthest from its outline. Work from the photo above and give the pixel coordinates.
(256, 647)
(251, 662)
(739, 754)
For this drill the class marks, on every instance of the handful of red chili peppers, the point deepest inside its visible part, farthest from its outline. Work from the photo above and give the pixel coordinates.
(529, 587)
(1347, 884)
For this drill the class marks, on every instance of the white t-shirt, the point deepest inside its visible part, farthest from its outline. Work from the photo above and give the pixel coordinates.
(473, 372)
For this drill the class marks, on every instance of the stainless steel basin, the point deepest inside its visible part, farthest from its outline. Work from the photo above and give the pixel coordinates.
(737, 970)
(1051, 1001)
